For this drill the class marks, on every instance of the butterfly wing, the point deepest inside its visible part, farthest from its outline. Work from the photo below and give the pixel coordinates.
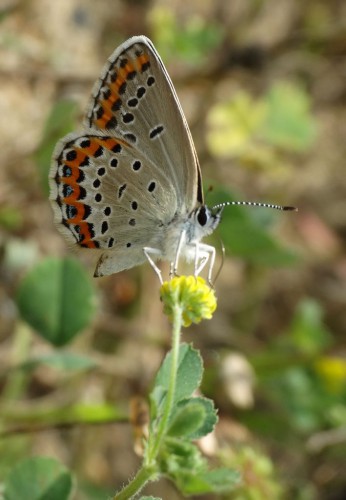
(106, 196)
(135, 99)
(116, 185)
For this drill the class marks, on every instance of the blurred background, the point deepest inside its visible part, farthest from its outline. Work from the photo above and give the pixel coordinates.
(262, 84)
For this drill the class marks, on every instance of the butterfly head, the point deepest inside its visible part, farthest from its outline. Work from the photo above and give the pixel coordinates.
(205, 220)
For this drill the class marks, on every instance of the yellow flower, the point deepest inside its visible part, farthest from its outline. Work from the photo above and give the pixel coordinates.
(333, 371)
(196, 299)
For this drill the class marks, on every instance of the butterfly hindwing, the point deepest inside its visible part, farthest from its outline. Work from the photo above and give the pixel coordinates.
(105, 195)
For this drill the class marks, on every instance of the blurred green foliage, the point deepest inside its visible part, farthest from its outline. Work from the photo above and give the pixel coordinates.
(63, 361)
(307, 331)
(38, 478)
(295, 375)
(10, 218)
(288, 122)
(245, 235)
(57, 299)
(259, 481)
(252, 130)
(191, 40)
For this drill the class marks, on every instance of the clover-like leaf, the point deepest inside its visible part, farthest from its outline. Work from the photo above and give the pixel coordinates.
(38, 478)
(189, 373)
(57, 299)
(193, 418)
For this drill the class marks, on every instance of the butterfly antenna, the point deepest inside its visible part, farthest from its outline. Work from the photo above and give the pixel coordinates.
(255, 204)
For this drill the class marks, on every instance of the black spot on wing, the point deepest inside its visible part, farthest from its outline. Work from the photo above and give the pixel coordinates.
(157, 131)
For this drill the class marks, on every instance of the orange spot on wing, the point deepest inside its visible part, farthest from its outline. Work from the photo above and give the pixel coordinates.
(78, 218)
(86, 236)
(123, 72)
(142, 59)
(108, 103)
(102, 122)
(73, 198)
(115, 86)
(74, 164)
(110, 143)
(94, 145)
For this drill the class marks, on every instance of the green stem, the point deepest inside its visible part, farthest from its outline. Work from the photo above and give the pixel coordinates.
(154, 445)
(144, 475)
(148, 471)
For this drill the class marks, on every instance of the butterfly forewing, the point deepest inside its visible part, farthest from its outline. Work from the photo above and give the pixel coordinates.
(135, 100)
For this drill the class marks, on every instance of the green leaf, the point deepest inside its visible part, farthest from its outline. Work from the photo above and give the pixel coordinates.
(240, 126)
(217, 481)
(307, 330)
(57, 299)
(233, 124)
(288, 123)
(82, 413)
(88, 490)
(180, 454)
(38, 478)
(183, 462)
(156, 398)
(60, 121)
(193, 418)
(192, 40)
(63, 361)
(187, 418)
(189, 373)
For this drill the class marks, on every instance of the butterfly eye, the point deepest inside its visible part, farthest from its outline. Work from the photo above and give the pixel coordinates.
(202, 216)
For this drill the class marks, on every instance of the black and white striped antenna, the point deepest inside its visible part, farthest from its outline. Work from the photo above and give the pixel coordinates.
(255, 204)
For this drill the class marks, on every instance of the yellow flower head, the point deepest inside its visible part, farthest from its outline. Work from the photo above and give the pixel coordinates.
(196, 299)
(332, 369)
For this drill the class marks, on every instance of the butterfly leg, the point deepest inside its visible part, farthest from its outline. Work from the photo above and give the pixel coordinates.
(174, 268)
(201, 258)
(153, 251)
(203, 253)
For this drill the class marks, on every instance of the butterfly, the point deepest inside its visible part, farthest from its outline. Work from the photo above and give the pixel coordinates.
(129, 184)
